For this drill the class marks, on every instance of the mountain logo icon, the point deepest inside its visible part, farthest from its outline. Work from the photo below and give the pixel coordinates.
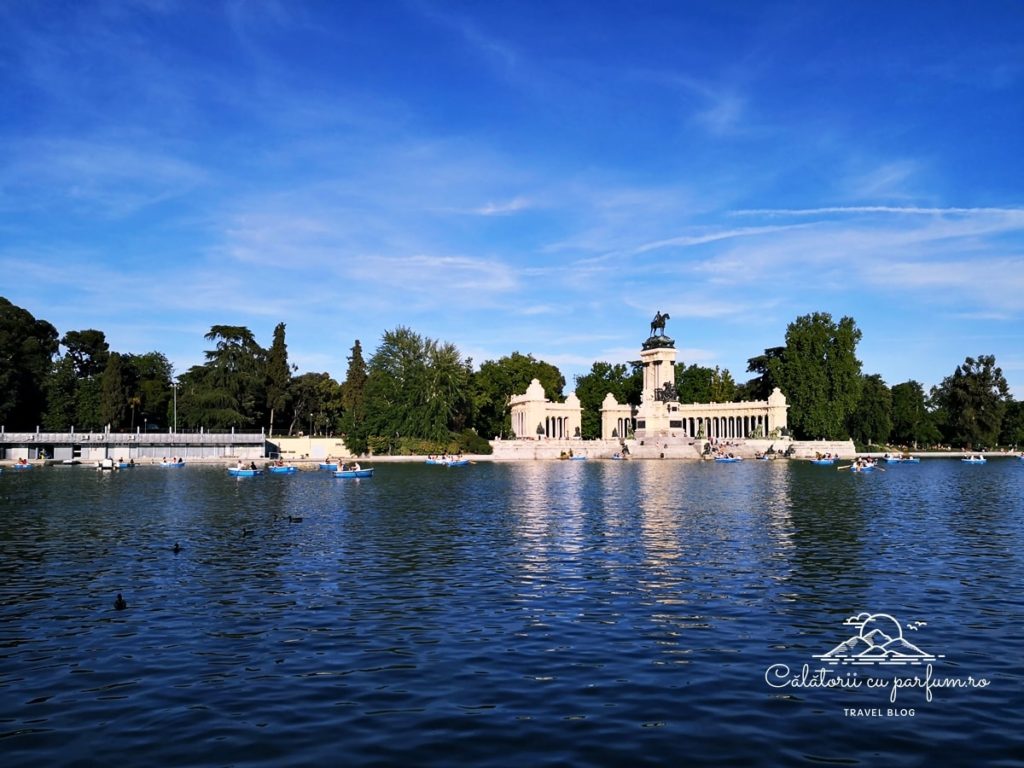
(879, 640)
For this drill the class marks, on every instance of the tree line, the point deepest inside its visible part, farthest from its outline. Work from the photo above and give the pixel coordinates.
(420, 395)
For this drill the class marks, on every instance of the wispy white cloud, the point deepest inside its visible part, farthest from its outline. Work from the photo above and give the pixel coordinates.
(102, 177)
(498, 53)
(537, 309)
(710, 237)
(725, 115)
(860, 209)
(498, 209)
(451, 276)
(890, 181)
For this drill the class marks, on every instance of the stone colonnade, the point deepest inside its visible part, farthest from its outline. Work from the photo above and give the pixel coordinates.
(535, 417)
(751, 419)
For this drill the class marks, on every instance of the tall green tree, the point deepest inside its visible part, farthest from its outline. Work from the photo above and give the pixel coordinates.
(278, 377)
(27, 348)
(912, 424)
(74, 395)
(973, 400)
(353, 400)
(760, 387)
(115, 391)
(1013, 424)
(315, 404)
(395, 383)
(151, 389)
(498, 380)
(819, 374)
(871, 420)
(700, 384)
(88, 351)
(623, 382)
(446, 396)
(694, 383)
(61, 396)
(415, 387)
(229, 389)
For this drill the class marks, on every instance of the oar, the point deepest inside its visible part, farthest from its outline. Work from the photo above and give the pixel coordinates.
(846, 467)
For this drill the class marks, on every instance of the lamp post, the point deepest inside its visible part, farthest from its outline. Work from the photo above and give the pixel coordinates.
(311, 425)
(174, 386)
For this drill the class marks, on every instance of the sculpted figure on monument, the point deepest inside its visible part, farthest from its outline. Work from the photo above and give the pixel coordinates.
(667, 393)
(658, 323)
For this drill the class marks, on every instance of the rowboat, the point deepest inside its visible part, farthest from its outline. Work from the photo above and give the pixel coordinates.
(864, 468)
(23, 466)
(973, 460)
(236, 472)
(125, 465)
(329, 467)
(456, 462)
(823, 461)
(283, 470)
(350, 473)
(172, 463)
(728, 459)
(577, 458)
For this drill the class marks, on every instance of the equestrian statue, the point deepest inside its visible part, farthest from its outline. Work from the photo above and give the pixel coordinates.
(659, 323)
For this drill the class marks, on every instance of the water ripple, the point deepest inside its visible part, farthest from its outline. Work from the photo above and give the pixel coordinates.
(558, 613)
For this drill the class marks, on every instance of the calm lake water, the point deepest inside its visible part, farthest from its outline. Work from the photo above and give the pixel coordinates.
(534, 614)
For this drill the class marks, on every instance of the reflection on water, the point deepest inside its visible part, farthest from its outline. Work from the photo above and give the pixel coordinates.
(602, 613)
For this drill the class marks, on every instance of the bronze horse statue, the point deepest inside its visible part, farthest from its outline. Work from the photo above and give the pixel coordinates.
(659, 323)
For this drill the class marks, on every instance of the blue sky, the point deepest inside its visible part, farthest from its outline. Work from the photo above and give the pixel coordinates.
(534, 176)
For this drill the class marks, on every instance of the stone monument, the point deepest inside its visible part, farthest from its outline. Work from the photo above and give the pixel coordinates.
(659, 400)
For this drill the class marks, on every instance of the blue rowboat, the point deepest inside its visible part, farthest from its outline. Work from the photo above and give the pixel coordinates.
(22, 466)
(974, 460)
(172, 463)
(329, 467)
(350, 473)
(457, 462)
(823, 461)
(125, 465)
(909, 460)
(235, 472)
(283, 470)
(728, 459)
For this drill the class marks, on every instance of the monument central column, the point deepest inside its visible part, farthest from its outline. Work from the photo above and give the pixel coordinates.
(658, 358)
